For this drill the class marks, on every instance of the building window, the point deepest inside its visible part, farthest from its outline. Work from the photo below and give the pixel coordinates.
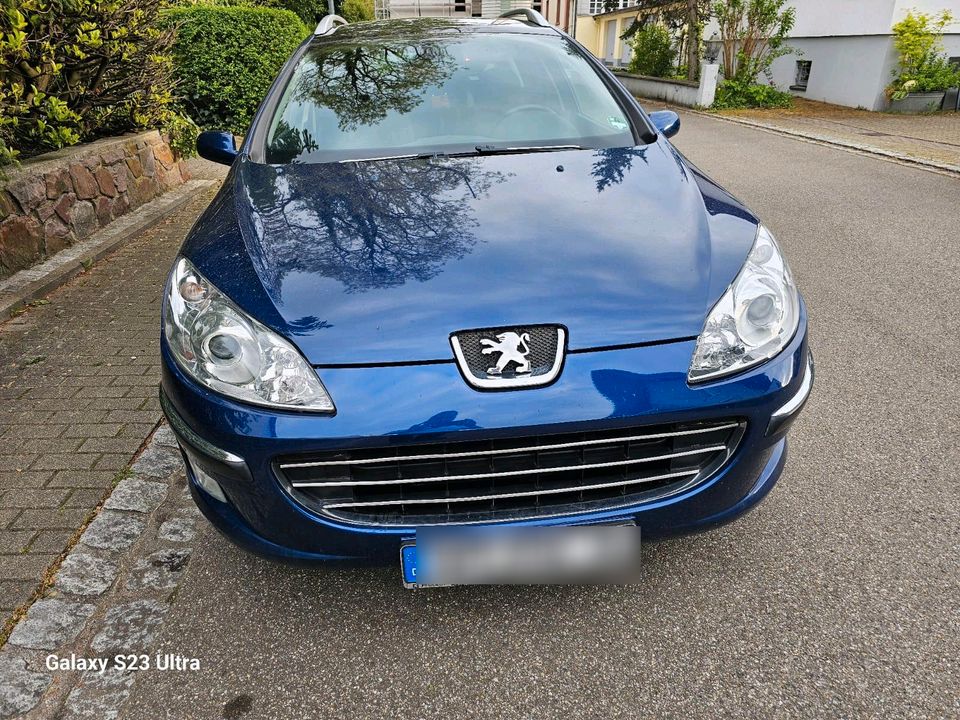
(803, 75)
(460, 7)
(476, 7)
(537, 5)
(598, 6)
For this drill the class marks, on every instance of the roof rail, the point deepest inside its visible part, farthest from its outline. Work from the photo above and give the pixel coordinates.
(328, 23)
(530, 16)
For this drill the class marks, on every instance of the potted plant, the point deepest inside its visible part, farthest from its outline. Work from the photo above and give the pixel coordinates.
(923, 73)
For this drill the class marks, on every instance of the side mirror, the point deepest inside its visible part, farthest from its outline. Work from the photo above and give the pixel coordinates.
(666, 122)
(217, 146)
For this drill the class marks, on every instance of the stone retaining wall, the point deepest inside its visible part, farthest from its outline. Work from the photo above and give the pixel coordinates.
(54, 200)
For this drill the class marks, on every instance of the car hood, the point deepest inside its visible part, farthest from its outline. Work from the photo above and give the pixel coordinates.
(379, 261)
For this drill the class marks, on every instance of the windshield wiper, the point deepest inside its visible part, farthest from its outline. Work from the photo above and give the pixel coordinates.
(494, 150)
(478, 150)
(481, 150)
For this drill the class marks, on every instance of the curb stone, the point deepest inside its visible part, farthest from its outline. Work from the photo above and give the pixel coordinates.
(110, 596)
(818, 139)
(33, 283)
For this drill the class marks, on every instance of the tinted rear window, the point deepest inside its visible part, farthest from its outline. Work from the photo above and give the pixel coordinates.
(403, 96)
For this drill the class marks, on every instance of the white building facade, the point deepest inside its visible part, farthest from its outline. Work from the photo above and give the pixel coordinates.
(845, 52)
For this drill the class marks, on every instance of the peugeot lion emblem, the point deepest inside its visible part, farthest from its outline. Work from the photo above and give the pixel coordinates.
(509, 346)
(507, 358)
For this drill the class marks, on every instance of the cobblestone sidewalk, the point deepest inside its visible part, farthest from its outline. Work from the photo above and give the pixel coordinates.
(934, 137)
(78, 396)
(108, 599)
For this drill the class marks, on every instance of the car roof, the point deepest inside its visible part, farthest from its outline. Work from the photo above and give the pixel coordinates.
(428, 28)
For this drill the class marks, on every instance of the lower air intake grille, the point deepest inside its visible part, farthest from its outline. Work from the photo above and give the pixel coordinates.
(477, 481)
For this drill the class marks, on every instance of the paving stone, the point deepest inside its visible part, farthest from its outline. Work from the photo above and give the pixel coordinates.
(178, 529)
(24, 567)
(52, 358)
(8, 515)
(157, 461)
(51, 623)
(92, 430)
(99, 696)
(49, 519)
(51, 541)
(165, 438)
(114, 462)
(82, 479)
(65, 461)
(112, 530)
(13, 541)
(161, 570)
(20, 688)
(84, 498)
(136, 494)
(45, 498)
(13, 593)
(83, 574)
(130, 627)
(110, 445)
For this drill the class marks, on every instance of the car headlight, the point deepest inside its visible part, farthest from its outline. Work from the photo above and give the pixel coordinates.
(226, 350)
(754, 320)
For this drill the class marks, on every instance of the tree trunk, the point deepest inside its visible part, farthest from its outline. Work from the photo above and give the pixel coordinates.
(693, 39)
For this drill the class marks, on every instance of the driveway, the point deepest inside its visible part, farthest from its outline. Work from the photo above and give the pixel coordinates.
(838, 596)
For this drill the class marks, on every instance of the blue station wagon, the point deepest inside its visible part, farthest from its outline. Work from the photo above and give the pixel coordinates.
(457, 277)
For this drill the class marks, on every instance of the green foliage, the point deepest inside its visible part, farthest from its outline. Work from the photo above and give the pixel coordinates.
(736, 94)
(182, 133)
(75, 70)
(653, 52)
(309, 11)
(357, 10)
(226, 57)
(754, 34)
(923, 66)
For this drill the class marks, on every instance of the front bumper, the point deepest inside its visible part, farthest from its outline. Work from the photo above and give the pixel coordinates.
(237, 444)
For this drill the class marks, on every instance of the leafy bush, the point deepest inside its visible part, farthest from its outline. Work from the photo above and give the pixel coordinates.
(309, 11)
(923, 66)
(226, 57)
(734, 94)
(653, 51)
(75, 70)
(357, 10)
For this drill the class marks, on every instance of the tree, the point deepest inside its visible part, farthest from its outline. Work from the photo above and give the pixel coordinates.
(682, 20)
(754, 34)
(653, 51)
(369, 225)
(693, 39)
(357, 10)
(362, 81)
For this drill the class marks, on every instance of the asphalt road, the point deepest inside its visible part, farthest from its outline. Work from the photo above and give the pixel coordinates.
(838, 597)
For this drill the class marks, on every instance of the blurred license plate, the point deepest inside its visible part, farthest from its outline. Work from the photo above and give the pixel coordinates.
(580, 554)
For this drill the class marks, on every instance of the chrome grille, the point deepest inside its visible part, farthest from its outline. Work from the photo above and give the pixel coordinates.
(475, 481)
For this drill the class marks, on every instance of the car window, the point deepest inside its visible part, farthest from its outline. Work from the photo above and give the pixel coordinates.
(407, 96)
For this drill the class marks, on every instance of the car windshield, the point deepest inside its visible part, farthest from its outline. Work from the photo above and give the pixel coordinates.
(471, 93)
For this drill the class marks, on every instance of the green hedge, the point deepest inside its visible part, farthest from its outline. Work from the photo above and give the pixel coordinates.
(226, 57)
